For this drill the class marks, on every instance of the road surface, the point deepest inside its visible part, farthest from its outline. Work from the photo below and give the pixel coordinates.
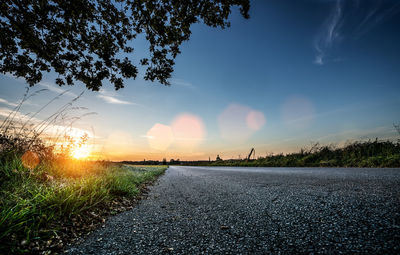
(229, 210)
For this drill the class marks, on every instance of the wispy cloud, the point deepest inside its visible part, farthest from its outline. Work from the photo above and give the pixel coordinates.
(50, 86)
(374, 14)
(330, 33)
(108, 97)
(182, 83)
(350, 19)
(5, 112)
(4, 101)
(57, 89)
(113, 100)
(52, 129)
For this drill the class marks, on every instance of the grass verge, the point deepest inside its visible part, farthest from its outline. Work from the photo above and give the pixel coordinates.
(357, 154)
(43, 208)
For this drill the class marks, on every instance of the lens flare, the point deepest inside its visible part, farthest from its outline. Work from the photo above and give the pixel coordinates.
(255, 120)
(188, 130)
(160, 137)
(238, 122)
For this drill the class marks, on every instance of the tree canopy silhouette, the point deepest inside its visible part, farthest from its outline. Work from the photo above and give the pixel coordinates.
(91, 40)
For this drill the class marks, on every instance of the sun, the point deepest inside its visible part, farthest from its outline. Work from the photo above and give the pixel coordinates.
(81, 152)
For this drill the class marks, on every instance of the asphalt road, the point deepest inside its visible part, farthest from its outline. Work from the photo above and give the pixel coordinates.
(222, 210)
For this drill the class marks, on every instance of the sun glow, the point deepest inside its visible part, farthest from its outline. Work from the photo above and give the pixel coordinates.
(81, 152)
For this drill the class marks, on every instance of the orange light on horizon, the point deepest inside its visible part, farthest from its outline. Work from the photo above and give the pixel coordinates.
(81, 152)
(117, 142)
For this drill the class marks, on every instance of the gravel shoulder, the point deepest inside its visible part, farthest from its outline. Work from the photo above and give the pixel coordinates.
(201, 210)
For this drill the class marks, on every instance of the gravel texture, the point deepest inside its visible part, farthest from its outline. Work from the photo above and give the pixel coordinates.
(225, 210)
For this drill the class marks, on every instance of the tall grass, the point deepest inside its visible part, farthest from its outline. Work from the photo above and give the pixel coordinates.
(21, 132)
(356, 154)
(37, 200)
(33, 203)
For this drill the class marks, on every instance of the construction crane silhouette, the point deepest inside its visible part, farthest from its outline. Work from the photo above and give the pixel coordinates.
(252, 152)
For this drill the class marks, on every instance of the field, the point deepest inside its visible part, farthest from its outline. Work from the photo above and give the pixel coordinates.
(50, 192)
(357, 154)
(42, 208)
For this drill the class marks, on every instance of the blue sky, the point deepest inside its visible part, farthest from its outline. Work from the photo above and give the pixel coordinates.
(295, 73)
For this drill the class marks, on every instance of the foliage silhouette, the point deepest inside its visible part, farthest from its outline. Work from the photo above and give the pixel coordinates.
(88, 40)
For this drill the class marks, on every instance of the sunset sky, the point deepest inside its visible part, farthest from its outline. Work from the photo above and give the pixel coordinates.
(295, 73)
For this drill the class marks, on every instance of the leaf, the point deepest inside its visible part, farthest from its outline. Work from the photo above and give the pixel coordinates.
(83, 40)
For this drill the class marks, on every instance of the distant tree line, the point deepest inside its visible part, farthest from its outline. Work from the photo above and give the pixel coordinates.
(154, 162)
(356, 154)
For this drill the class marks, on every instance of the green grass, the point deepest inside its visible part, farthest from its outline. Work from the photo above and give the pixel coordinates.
(59, 196)
(34, 202)
(358, 154)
